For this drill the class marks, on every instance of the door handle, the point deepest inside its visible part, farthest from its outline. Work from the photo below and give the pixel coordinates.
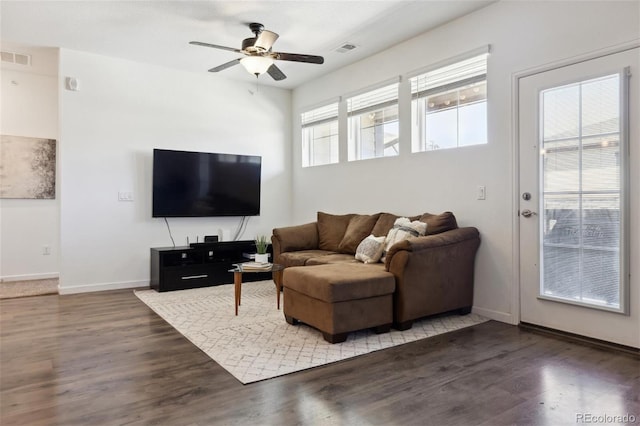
(527, 213)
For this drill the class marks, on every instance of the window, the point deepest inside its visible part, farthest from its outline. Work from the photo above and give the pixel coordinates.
(373, 123)
(583, 197)
(449, 106)
(320, 136)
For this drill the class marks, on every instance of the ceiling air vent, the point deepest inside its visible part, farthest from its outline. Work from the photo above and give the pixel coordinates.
(347, 47)
(15, 58)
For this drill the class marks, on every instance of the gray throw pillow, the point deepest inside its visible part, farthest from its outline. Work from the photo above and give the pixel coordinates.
(370, 249)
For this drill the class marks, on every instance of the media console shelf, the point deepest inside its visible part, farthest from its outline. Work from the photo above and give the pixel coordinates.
(201, 265)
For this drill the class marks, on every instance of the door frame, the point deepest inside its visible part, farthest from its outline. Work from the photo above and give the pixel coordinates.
(515, 154)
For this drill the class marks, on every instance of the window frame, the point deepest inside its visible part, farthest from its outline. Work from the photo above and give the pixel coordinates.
(364, 101)
(421, 90)
(326, 115)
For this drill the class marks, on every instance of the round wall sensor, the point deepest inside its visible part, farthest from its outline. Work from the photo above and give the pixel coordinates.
(73, 84)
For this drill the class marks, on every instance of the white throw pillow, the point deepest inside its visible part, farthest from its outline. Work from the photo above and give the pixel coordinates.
(370, 249)
(403, 229)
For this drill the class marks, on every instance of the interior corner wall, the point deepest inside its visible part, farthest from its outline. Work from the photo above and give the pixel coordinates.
(522, 35)
(109, 128)
(29, 108)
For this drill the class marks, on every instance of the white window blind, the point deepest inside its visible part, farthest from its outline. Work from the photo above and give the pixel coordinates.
(583, 197)
(455, 75)
(373, 100)
(319, 115)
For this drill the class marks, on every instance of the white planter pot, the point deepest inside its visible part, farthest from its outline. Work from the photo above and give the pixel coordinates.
(263, 258)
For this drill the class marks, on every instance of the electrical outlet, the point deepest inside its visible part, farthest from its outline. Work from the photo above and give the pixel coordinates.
(125, 196)
(482, 192)
(46, 250)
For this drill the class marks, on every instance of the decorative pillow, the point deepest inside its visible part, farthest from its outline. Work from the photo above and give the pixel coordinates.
(370, 249)
(359, 227)
(331, 229)
(437, 223)
(403, 229)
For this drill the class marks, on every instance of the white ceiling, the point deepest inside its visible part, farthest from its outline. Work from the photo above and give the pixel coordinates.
(158, 32)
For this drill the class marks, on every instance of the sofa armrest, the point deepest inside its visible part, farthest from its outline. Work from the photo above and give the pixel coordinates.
(294, 238)
(427, 242)
(433, 273)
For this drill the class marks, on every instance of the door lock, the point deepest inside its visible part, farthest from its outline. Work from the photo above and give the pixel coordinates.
(527, 213)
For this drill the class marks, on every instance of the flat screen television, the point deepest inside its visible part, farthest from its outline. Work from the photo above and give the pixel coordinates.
(197, 184)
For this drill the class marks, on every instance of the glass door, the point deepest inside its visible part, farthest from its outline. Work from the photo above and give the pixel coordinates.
(577, 193)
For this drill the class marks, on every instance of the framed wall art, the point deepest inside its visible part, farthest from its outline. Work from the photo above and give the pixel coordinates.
(27, 167)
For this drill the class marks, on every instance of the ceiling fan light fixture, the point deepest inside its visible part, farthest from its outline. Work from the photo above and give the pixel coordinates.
(256, 65)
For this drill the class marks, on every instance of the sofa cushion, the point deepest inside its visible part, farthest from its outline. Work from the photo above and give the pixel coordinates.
(331, 258)
(370, 249)
(403, 229)
(339, 282)
(438, 223)
(300, 258)
(384, 224)
(331, 229)
(359, 227)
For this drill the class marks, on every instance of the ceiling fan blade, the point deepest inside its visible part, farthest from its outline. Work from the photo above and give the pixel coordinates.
(295, 57)
(215, 46)
(276, 73)
(266, 39)
(225, 65)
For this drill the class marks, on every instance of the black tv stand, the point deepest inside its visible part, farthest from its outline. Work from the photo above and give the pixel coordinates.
(199, 265)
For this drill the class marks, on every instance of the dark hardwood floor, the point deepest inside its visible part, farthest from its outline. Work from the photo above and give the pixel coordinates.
(107, 359)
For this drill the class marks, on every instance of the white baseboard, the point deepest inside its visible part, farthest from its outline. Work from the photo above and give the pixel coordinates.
(495, 315)
(28, 277)
(87, 288)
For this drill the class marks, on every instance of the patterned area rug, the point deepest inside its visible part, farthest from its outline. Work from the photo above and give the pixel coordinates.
(258, 344)
(13, 289)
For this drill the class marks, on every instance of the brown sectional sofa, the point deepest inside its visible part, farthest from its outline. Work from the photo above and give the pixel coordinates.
(433, 273)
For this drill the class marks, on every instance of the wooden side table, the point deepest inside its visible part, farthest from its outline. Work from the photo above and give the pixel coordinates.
(276, 272)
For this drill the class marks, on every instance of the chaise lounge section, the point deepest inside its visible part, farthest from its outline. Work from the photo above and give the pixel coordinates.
(431, 274)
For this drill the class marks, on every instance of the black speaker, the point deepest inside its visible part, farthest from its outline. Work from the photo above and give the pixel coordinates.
(210, 238)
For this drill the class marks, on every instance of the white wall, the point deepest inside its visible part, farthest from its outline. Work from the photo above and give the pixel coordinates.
(522, 35)
(109, 128)
(29, 107)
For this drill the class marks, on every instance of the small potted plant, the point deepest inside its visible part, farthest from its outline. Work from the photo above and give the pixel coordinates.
(261, 249)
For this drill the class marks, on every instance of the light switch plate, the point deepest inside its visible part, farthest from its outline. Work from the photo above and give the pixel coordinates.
(482, 192)
(125, 196)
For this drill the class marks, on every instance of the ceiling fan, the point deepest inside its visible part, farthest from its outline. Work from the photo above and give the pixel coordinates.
(258, 56)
